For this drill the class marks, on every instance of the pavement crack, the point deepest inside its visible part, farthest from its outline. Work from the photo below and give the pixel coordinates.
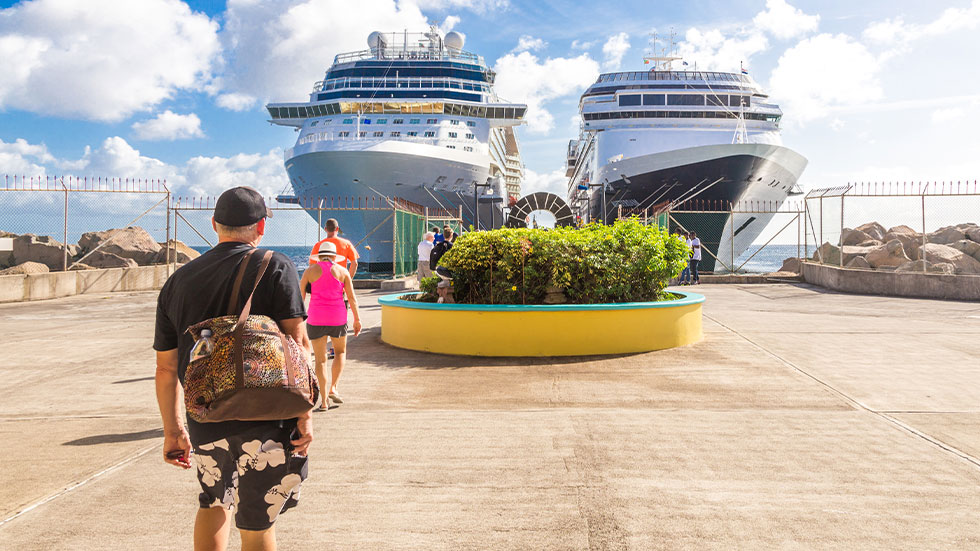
(854, 402)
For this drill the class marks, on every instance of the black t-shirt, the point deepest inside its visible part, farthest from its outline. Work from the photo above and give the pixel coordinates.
(201, 290)
(437, 252)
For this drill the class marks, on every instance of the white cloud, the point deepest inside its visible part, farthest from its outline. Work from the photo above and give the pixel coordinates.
(714, 51)
(784, 21)
(824, 72)
(942, 116)
(528, 43)
(101, 60)
(613, 51)
(522, 77)
(554, 182)
(116, 158)
(169, 126)
(580, 45)
(478, 6)
(235, 101)
(897, 31)
(276, 50)
(449, 23)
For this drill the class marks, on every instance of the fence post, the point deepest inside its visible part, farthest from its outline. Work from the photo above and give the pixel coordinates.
(319, 220)
(731, 230)
(167, 258)
(176, 225)
(394, 242)
(798, 236)
(840, 240)
(821, 227)
(922, 254)
(64, 260)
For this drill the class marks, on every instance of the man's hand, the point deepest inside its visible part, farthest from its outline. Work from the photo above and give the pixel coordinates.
(304, 426)
(177, 442)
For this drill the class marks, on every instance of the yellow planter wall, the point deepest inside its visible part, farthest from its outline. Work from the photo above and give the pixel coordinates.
(540, 330)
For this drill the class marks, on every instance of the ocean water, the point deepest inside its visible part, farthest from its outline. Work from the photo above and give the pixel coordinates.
(767, 259)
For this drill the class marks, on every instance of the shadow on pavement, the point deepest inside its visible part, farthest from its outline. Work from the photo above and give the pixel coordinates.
(116, 438)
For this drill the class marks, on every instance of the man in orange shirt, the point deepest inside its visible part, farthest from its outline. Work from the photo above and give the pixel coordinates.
(345, 249)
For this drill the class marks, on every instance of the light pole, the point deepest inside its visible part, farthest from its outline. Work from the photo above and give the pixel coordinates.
(476, 203)
(584, 187)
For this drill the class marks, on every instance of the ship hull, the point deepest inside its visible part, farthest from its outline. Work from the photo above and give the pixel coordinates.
(426, 181)
(712, 178)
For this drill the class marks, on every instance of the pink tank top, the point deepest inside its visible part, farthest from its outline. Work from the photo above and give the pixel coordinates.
(327, 299)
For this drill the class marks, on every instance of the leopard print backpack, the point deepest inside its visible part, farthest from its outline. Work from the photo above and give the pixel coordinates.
(254, 372)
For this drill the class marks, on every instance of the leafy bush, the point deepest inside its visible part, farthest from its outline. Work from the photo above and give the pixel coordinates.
(625, 262)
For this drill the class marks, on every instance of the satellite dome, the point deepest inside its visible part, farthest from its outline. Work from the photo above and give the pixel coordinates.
(375, 40)
(454, 40)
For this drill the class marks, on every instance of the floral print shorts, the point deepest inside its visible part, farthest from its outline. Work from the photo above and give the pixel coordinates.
(254, 473)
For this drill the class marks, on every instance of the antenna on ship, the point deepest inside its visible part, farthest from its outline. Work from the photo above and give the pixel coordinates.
(663, 58)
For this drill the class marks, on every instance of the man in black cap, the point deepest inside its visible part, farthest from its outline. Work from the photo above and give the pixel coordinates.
(253, 467)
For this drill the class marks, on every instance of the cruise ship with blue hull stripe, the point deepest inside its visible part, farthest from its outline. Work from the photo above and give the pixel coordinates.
(666, 138)
(413, 117)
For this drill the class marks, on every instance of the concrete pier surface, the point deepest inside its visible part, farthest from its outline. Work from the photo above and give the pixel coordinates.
(805, 420)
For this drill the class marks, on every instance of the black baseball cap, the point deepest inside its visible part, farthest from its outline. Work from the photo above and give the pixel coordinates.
(240, 206)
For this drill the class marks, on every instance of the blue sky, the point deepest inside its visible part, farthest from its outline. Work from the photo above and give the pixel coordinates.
(871, 90)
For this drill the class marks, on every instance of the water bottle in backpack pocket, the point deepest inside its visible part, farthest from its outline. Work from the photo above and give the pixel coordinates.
(203, 347)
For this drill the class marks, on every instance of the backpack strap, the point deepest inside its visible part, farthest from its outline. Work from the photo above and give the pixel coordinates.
(238, 352)
(237, 287)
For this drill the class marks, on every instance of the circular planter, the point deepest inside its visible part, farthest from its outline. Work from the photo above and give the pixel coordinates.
(540, 330)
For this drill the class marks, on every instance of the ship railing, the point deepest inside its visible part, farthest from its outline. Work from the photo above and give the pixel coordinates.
(675, 75)
(409, 54)
(399, 83)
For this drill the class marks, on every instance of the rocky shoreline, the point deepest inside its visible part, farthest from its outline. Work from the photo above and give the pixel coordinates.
(116, 248)
(948, 250)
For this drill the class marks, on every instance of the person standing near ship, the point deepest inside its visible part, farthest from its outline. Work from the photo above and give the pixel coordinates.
(330, 283)
(686, 274)
(346, 253)
(425, 249)
(695, 257)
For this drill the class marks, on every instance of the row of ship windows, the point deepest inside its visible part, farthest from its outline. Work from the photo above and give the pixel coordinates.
(402, 83)
(430, 107)
(679, 115)
(309, 138)
(425, 71)
(683, 99)
(454, 122)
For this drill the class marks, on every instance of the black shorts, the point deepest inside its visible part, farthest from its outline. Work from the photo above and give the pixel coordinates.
(254, 473)
(320, 331)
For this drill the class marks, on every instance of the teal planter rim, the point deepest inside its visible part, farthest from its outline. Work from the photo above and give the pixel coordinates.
(687, 299)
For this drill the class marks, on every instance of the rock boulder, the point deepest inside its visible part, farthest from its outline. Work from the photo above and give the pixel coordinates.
(133, 243)
(858, 262)
(973, 234)
(183, 252)
(967, 247)
(891, 254)
(850, 253)
(910, 242)
(937, 253)
(38, 248)
(792, 265)
(854, 237)
(902, 230)
(874, 230)
(101, 259)
(945, 236)
(26, 268)
(827, 254)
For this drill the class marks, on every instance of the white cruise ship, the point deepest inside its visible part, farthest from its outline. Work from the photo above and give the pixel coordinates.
(413, 117)
(666, 137)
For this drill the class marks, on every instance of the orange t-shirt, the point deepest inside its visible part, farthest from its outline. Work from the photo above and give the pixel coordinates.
(345, 250)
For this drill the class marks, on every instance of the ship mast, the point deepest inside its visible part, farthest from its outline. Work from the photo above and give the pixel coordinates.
(664, 57)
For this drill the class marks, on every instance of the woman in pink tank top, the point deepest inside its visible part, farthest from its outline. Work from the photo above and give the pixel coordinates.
(327, 315)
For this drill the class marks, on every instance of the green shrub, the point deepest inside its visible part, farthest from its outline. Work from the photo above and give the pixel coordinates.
(625, 262)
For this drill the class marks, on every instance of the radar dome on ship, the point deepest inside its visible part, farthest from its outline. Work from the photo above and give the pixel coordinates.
(376, 40)
(454, 40)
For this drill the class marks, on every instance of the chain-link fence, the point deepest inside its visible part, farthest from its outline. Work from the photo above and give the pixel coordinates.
(929, 227)
(65, 222)
(749, 236)
(385, 231)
